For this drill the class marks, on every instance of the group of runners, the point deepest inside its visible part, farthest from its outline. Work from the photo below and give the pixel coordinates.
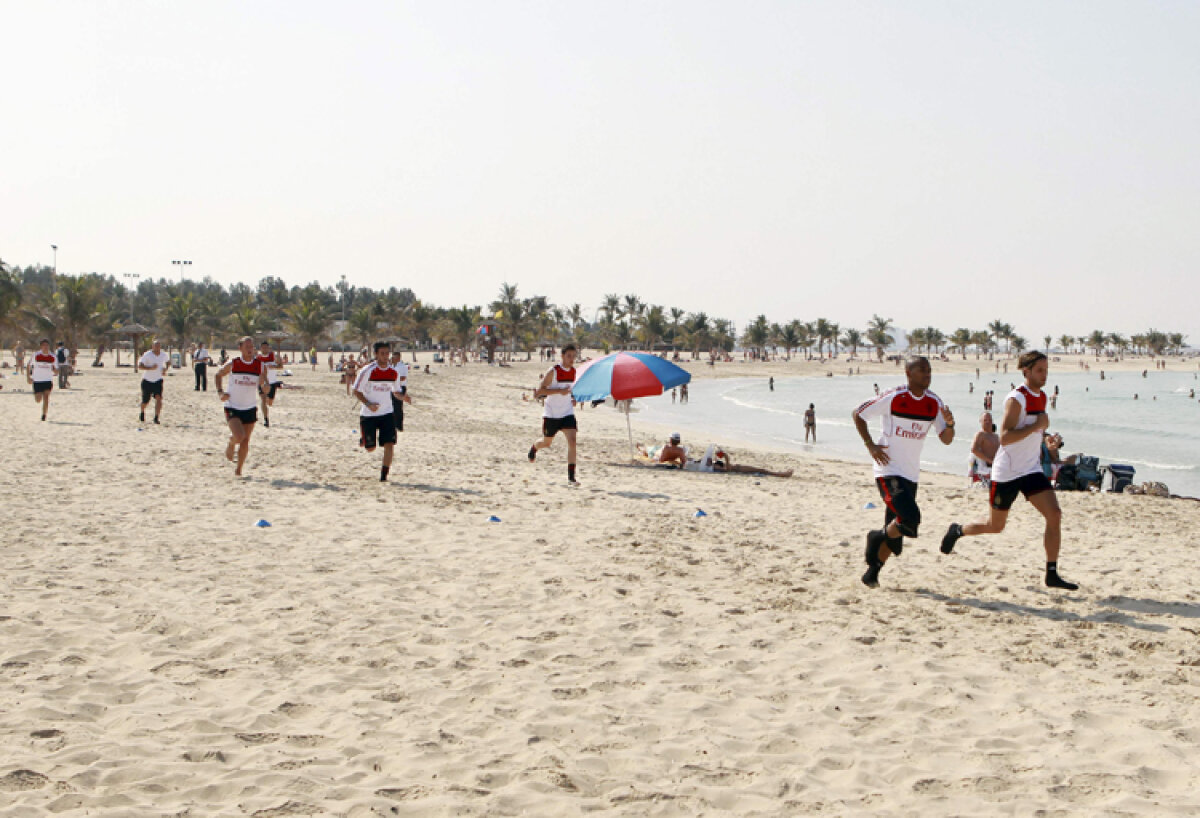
(908, 413)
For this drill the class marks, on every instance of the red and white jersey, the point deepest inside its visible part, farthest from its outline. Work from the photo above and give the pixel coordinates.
(560, 406)
(906, 421)
(272, 364)
(1024, 456)
(43, 366)
(377, 384)
(243, 383)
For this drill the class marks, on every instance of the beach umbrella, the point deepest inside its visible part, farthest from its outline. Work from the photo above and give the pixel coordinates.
(624, 376)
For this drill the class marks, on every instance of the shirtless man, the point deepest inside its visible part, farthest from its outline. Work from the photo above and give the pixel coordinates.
(247, 376)
(986, 443)
(42, 369)
(673, 452)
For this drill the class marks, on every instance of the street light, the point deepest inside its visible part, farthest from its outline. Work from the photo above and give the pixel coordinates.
(54, 273)
(181, 264)
(132, 287)
(343, 332)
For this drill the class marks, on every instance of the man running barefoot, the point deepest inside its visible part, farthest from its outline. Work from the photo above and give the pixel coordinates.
(153, 365)
(247, 376)
(42, 369)
(559, 412)
(377, 385)
(1017, 468)
(270, 362)
(907, 414)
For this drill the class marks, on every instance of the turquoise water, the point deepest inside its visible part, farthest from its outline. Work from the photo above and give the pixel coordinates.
(1158, 434)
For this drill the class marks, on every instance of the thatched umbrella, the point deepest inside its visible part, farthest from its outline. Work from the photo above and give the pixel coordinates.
(135, 332)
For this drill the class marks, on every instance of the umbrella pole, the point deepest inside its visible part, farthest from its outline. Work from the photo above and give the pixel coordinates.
(629, 428)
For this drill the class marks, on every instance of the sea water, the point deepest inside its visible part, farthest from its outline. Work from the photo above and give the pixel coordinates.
(1158, 433)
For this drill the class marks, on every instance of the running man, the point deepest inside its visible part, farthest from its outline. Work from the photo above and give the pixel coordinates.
(153, 365)
(247, 376)
(43, 366)
(398, 398)
(559, 412)
(1017, 468)
(377, 385)
(907, 414)
(270, 362)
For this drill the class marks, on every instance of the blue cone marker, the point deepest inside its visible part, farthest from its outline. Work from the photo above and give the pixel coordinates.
(493, 519)
(868, 506)
(263, 524)
(700, 513)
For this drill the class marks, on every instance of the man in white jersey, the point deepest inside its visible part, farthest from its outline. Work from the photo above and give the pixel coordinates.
(559, 412)
(153, 365)
(1017, 468)
(270, 362)
(200, 361)
(376, 386)
(247, 376)
(907, 413)
(399, 398)
(42, 369)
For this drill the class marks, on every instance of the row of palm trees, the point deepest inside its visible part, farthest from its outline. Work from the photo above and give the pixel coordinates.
(84, 310)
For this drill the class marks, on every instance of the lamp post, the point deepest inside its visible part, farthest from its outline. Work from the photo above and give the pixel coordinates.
(132, 287)
(343, 332)
(54, 268)
(181, 266)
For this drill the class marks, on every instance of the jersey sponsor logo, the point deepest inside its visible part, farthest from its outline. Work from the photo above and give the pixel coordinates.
(917, 432)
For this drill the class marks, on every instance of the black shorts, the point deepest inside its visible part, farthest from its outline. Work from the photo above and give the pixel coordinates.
(42, 386)
(900, 497)
(270, 389)
(552, 426)
(1003, 495)
(246, 416)
(381, 426)
(150, 389)
(398, 413)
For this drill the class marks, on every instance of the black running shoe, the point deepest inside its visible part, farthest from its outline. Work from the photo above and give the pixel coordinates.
(874, 540)
(952, 535)
(1053, 580)
(142, 417)
(267, 422)
(871, 578)
(156, 421)
(532, 453)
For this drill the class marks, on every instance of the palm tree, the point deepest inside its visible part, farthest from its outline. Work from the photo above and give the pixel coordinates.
(1066, 342)
(309, 319)
(823, 330)
(934, 338)
(361, 325)
(633, 307)
(722, 333)
(652, 327)
(756, 334)
(611, 308)
(982, 341)
(1097, 340)
(853, 339)
(699, 330)
(789, 336)
(1017, 343)
(960, 339)
(677, 315)
(10, 299)
(179, 316)
(877, 334)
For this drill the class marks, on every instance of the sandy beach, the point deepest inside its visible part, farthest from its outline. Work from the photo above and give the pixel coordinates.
(384, 649)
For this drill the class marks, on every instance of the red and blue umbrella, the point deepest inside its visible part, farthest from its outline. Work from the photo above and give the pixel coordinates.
(627, 375)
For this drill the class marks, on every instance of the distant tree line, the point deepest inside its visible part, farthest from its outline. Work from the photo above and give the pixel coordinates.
(85, 310)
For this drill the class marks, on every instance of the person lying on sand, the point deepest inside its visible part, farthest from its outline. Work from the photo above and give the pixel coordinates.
(723, 463)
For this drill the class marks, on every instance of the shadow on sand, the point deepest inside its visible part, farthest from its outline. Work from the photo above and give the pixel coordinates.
(1056, 614)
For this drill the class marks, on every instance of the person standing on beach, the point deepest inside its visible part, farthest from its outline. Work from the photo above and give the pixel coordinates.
(559, 412)
(400, 396)
(247, 376)
(907, 414)
(810, 423)
(200, 361)
(153, 365)
(375, 387)
(43, 366)
(63, 359)
(1017, 468)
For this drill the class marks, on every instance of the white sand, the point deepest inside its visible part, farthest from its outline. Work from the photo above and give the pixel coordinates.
(384, 650)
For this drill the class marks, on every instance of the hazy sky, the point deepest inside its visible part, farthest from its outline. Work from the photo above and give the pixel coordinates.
(940, 163)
